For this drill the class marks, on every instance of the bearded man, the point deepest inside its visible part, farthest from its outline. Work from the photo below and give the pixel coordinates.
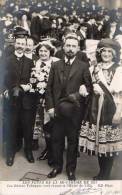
(66, 106)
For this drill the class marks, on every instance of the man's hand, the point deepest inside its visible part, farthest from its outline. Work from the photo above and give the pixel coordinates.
(51, 112)
(26, 87)
(6, 95)
(83, 91)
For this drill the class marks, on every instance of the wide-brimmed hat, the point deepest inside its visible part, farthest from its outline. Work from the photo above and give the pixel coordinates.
(68, 106)
(109, 43)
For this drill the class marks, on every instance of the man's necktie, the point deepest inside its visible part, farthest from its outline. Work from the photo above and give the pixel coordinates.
(68, 62)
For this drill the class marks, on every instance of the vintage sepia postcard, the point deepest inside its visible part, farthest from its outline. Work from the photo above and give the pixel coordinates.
(61, 97)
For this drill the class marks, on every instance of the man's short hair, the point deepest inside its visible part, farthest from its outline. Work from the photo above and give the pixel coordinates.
(72, 36)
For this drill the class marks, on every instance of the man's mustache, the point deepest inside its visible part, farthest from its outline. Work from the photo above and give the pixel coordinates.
(19, 48)
(70, 52)
(27, 49)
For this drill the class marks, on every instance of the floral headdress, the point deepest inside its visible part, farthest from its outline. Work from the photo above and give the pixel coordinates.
(46, 43)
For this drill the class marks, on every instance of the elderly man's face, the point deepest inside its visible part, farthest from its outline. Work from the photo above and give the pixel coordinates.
(20, 45)
(71, 47)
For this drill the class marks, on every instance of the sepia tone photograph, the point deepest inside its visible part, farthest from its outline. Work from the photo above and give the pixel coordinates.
(61, 91)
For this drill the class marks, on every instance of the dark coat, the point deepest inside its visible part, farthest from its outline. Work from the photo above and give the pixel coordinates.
(35, 28)
(17, 73)
(79, 75)
(106, 31)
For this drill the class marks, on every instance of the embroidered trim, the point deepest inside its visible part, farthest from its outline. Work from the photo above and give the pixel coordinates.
(110, 139)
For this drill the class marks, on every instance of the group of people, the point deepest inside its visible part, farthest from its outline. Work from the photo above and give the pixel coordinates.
(87, 18)
(71, 97)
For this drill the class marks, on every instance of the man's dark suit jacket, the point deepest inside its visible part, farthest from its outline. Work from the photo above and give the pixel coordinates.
(17, 73)
(79, 75)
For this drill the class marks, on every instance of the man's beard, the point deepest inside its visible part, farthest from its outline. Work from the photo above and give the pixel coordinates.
(70, 54)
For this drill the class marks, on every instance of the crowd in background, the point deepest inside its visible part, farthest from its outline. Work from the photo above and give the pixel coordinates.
(34, 35)
(55, 18)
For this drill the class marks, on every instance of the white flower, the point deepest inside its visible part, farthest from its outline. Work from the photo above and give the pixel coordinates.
(41, 91)
(46, 68)
(40, 77)
(32, 80)
(41, 85)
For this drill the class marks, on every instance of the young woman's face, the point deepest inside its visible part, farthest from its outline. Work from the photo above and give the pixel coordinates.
(107, 55)
(44, 53)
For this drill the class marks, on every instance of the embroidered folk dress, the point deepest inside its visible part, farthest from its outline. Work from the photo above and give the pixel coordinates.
(102, 133)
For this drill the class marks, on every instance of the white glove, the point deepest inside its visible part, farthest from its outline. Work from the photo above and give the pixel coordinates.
(83, 91)
(26, 87)
(51, 112)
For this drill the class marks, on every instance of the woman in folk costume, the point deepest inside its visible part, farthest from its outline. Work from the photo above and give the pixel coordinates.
(102, 134)
(39, 79)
